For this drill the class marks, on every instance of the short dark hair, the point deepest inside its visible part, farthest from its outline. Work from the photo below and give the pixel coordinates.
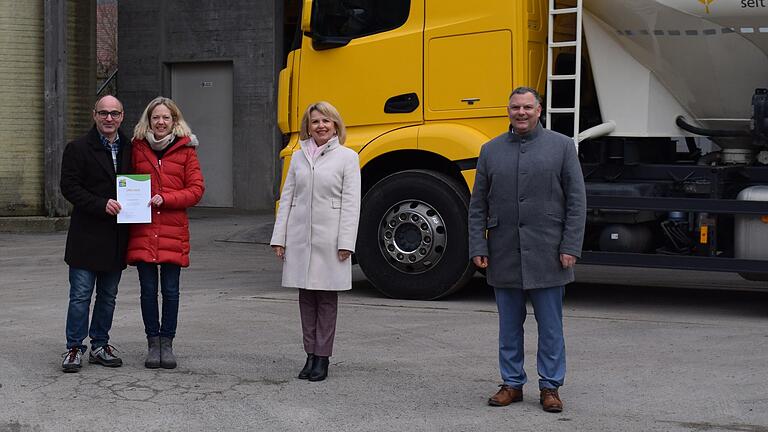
(524, 90)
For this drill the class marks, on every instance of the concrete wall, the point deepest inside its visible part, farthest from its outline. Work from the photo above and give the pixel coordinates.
(153, 34)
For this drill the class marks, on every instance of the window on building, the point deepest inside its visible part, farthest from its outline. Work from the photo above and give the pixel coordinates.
(356, 18)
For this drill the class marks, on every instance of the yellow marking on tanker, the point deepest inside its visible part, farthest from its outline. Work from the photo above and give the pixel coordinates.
(706, 4)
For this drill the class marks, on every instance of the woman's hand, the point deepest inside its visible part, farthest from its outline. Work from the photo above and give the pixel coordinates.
(156, 201)
(279, 251)
(344, 254)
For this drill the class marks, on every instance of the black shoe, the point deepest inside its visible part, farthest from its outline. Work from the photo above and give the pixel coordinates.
(319, 369)
(305, 371)
(105, 356)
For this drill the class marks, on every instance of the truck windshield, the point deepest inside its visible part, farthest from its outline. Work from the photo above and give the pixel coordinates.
(356, 18)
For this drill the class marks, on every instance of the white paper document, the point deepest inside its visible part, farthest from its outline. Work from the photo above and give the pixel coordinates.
(133, 193)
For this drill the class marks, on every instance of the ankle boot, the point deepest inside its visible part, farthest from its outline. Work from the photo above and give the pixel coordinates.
(167, 359)
(153, 353)
(304, 374)
(319, 369)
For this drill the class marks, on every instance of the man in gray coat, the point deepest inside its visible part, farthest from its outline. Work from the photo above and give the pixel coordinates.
(526, 227)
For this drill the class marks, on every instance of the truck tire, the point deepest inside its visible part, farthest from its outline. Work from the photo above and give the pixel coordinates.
(412, 241)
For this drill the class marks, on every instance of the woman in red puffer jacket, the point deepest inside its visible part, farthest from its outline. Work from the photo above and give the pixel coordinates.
(164, 148)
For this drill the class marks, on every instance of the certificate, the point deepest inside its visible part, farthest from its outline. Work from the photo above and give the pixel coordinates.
(133, 193)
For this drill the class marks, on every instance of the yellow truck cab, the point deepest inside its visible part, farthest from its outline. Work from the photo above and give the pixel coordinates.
(419, 93)
(423, 84)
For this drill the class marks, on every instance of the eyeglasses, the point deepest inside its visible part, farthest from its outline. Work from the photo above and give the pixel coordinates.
(115, 114)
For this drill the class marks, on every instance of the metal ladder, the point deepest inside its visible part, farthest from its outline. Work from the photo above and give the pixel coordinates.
(576, 77)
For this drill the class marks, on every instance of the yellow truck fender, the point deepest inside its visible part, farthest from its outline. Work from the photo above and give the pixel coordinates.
(455, 142)
(399, 139)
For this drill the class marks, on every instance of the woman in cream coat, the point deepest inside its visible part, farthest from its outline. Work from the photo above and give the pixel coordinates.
(316, 229)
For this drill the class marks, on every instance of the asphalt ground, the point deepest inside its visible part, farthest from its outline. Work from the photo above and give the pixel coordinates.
(644, 354)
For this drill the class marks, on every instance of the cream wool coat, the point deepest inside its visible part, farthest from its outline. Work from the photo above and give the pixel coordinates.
(318, 215)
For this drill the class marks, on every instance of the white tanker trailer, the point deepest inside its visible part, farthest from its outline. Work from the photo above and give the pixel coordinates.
(674, 132)
(699, 59)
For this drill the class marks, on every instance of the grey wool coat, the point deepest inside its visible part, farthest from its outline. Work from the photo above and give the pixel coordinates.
(528, 206)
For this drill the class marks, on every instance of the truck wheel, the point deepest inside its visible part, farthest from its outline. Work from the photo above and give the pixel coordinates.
(412, 241)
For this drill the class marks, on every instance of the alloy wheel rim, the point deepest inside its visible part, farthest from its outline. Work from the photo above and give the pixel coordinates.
(412, 236)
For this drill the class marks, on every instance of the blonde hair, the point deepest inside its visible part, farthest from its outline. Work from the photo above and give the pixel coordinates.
(327, 110)
(180, 127)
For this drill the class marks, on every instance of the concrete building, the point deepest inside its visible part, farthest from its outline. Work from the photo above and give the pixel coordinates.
(47, 49)
(219, 60)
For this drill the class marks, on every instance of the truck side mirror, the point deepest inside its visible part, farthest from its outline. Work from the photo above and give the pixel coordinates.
(306, 17)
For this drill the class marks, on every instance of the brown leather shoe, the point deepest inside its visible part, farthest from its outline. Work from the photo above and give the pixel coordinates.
(505, 396)
(550, 400)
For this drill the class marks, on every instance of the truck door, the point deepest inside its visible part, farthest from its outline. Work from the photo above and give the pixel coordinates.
(364, 57)
(469, 52)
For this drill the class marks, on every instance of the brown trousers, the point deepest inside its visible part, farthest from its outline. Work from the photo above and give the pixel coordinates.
(318, 320)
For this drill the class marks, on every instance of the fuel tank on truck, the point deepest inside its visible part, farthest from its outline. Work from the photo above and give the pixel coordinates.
(653, 60)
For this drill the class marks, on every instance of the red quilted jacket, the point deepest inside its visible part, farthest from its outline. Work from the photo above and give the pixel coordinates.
(178, 179)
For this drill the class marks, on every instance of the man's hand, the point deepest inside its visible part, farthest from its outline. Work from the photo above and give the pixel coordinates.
(279, 251)
(344, 254)
(113, 207)
(480, 261)
(567, 261)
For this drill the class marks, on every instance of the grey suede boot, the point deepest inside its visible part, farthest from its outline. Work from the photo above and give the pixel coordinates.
(153, 353)
(167, 359)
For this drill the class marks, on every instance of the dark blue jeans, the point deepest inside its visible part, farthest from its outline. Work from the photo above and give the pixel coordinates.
(169, 287)
(81, 284)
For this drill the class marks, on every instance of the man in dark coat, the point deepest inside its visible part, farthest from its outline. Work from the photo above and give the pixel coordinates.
(96, 244)
(526, 227)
